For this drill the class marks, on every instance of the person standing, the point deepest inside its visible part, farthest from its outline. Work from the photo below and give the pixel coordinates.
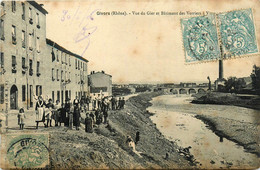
(122, 103)
(56, 112)
(88, 124)
(76, 115)
(39, 108)
(21, 117)
(105, 109)
(99, 101)
(119, 103)
(48, 114)
(67, 109)
(94, 105)
(88, 102)
(62, 114)
(70, 117)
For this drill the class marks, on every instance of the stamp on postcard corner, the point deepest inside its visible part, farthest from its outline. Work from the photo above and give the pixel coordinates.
(27, 150)
(200, 38)
(237, 32)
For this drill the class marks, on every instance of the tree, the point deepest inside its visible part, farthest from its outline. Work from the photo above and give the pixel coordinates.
(230, 83)
(255, 76)
(234, 84)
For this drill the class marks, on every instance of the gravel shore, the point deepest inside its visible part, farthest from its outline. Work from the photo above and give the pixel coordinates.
(243, 133)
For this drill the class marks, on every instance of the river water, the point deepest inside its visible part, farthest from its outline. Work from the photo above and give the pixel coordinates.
(174, 117)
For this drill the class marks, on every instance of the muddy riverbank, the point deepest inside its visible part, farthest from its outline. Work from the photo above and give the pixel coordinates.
(241, 132)
(216, 134)
(106, 147)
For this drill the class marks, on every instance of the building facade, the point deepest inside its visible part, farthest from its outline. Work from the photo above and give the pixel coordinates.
(69, 77)
(25, 57)
(100, 83)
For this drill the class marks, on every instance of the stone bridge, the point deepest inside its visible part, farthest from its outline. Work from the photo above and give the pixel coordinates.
(185, 90)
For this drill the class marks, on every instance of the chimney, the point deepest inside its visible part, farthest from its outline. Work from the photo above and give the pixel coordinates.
(220, 76)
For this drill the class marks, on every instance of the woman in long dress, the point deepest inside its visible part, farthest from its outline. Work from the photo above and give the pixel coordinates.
(40, 117)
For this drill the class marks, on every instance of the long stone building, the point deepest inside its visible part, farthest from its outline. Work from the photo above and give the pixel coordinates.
(30, 64)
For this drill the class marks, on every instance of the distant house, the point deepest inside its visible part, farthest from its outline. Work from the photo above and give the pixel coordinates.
(100, 83)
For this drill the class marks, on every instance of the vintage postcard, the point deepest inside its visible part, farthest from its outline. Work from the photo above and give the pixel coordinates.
(134, 84)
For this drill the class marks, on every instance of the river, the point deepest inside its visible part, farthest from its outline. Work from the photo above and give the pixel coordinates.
(174, 117)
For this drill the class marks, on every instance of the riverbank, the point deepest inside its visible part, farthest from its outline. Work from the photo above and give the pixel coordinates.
(106, 147)
(242, 100)
(243, 133)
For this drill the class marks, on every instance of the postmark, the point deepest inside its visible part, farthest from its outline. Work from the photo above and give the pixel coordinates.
(237, 30)
(27, 150)
(200, 38)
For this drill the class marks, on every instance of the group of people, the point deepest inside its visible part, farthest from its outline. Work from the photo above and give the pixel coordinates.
(113, 102)
(69, 112)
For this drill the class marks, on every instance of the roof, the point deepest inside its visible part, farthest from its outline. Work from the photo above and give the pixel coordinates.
(101, 73)
(38, 6)
(54, 44)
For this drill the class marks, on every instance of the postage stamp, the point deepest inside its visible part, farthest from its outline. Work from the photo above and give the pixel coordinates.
(200, 38)
(237, 32)
(26, 150)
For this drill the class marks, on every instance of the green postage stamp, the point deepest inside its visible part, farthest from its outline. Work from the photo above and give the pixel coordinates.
(25, 150)
(219, 36)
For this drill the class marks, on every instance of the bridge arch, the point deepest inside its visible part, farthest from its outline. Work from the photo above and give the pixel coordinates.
(173, 91)
(182, 91)
(192, 91)
(201, 91)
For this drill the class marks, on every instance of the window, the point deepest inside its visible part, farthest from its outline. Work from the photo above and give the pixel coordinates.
(53, 96)
(52, 74)
(13, 6)
(38, 69)
(30, 67)
(57, 74)
(76, 64)
(69, 61)
(58, 95)
(65, 77)
(57, 55)
(23, 92)
(37, 20)
(30, 41)
(2, 93)
(23, 38)
(2, 30)
(13, 34)
(38, 44)
(30, 13)
(38, 90)
(23, 8)
(65, 58)
(61, 74)
(30, 16)
(1, 59)
(14, 64)
(23, 63)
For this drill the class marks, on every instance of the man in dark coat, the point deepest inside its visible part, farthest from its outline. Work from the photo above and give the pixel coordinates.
(67, 108)
(76, 117)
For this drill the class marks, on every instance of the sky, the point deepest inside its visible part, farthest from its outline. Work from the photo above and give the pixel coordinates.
(140, 48)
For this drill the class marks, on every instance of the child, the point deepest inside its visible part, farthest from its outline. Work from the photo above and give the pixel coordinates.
(21, 117)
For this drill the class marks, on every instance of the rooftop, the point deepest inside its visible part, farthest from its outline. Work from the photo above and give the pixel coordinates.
(99, 72)
(38, 6)
(55, 45)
